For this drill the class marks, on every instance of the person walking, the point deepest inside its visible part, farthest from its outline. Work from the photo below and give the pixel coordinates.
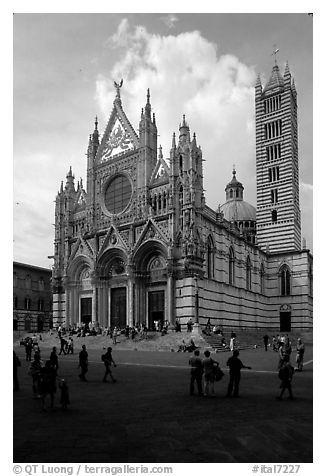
(63, 344)
(35, 372)
(108, 361)
(300, 354)
(281, 353)
(196, 373)
(114, 335)
(285, 374)
(16, 364)
(47, 383)
(83, 363)
(265, 339)
(209, 375)
(235, 365)
(54, 359)
(28, 349)
(70, 348)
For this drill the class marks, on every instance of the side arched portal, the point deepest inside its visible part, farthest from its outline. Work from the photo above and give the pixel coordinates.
(153, 286)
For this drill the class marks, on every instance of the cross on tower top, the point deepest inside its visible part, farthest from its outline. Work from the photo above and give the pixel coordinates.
(275, 51)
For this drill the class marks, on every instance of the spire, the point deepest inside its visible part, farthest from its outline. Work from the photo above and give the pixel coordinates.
(160, 154)
(287, 69)
(70, 181)
(148, 105)
(194, 142)
(61, 188)
(276, 50)
(184, 130)
(173, 141)
(95, 133)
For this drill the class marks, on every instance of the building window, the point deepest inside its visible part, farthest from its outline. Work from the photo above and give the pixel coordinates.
(274, 174)
(274, 216)
(231, 266)
(118, 194)
(248, 274)
(40, 305)
(285, 281)
(41, 284)
(15, 279)
(273, 152)
(272, 104)
(273, 129)
(27, 303)
(28, 282)
(262, 279)
(15, 302)
(274, 195)
(210, 258)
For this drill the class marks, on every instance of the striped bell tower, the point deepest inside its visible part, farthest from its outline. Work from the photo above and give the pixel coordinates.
(277, 169)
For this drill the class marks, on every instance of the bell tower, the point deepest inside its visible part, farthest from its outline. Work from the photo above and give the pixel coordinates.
(277, 169)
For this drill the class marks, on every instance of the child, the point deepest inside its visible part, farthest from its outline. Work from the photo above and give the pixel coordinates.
(64, 398)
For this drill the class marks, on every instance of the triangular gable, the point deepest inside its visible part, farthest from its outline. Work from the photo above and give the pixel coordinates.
(81, 247)
(151, 232)
(112, 240)
(160, 172)
(119, 135)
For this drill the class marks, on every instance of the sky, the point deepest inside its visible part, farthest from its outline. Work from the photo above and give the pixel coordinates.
(203, 65)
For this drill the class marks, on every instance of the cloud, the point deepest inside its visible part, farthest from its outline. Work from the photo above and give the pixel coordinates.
(170, 20)
(186, 75)
(306, 187)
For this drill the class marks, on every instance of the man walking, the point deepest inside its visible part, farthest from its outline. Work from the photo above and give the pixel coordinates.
(235, 365)
(83, 363)
(108, 360)
(196, 373)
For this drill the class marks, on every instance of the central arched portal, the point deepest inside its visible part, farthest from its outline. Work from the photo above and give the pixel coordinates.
(113, 284)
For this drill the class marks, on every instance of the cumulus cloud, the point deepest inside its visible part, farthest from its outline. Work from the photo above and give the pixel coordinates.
(170, 20)
(186, 75)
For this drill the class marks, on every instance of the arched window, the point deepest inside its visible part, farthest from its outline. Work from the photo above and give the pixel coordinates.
(27, 303)
(248, 274)
(40, 305)
(285, 281)
(231, 266)
(262, 279)
(180, 163)
(231, 193)
(210, 258)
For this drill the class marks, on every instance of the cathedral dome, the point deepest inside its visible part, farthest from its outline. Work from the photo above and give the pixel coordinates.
(238, 210)
(235, 209)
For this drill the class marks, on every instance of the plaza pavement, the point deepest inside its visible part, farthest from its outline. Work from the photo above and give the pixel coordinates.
(149, 416)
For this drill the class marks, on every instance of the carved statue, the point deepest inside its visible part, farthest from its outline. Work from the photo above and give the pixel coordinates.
(118, 87)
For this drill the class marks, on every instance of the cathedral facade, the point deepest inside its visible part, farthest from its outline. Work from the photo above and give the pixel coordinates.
(140, 245)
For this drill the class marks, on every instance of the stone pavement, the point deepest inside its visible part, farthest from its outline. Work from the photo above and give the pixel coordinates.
(148, 415)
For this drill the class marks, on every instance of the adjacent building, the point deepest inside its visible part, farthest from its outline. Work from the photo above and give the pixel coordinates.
(32, 298)
(139, 243)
